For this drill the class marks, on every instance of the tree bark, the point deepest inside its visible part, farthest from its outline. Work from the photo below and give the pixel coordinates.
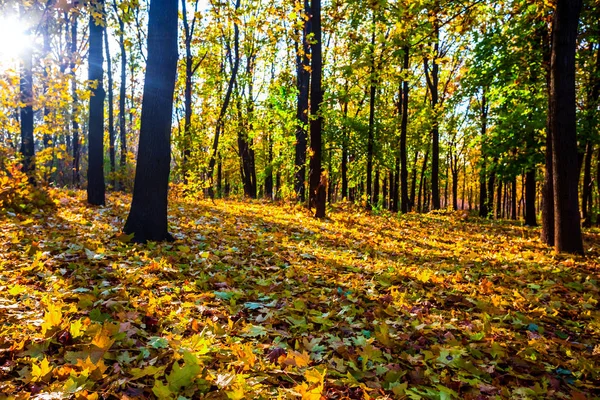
(95, 174)
(27, 141)
(221, 119)
(122, 98)
(148, 216)
(111, 121)
(530, 197)
(404, 204)
(371, 133)
(567, 228)
(317, 181)
(302, 84)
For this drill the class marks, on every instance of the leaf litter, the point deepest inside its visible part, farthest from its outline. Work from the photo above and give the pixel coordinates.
(259, 300)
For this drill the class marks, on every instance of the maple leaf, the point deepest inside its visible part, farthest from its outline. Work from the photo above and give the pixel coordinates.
(41, 371)
(52, 319)
(183, 376)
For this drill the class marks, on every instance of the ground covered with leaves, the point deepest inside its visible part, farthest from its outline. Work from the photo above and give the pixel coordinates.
(256, 300)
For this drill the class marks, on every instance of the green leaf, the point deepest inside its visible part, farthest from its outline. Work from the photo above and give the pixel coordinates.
(161, 391)
(183, 376)
(158, 342)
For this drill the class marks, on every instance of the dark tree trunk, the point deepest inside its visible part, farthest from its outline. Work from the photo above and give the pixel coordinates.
(27, 142)
(345, 140)
(221, 119)
(122, 97)
(455, 186)
(404, 206)
(499, 200)
(384, 192)
(433, 82)
(302, 83)
(547, 206)
(413, 184)
(95, 175)
(148, 216)
(317, 178)
(371, 133)
(567, 228)
(490, 193)
(395, 206)
(269, 169)
(75, 106)
(190, 69)
(421, 182)
(530, 197)
(376, 188)
(392, 188)
(246, 151)
(111, 121)
(513, 199)
(220, 178)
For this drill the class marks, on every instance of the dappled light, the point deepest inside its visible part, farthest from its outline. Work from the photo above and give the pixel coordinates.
(261, 300)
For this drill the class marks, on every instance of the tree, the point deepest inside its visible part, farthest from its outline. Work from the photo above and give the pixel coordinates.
(302, 84)
(316, 180)
(95, 175)
(147, 218)
(567, 228)
(27, 140)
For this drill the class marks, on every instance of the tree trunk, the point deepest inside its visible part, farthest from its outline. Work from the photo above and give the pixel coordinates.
(95, 175)
(371, 133)
(122, 98)
(221, 119)
(433, 82)
(547, 206)
(499, 200)
(530, 197)
(111, 122)
(27, 141)
(567, 228)
(413, 184)
(317, 180)
(421, 182)
(76, 143)
(376, 188)
(148, 216)
(302, 84)
(404, 205)
(345, 140)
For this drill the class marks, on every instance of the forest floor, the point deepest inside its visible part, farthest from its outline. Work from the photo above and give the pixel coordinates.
(259, 300)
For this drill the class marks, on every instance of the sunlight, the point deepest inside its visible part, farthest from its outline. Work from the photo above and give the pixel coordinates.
(14, 40)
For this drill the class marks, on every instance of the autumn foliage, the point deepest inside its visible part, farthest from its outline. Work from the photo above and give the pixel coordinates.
(258, 300)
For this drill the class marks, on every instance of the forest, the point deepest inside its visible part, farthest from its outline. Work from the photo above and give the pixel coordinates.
(299, 199)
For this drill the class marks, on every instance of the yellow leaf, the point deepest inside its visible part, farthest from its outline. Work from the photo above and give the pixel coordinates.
(52, 318)
(76, 329)
(314, 376)
(297, 359)
(309, 393)
(102, 339)
(41, 371)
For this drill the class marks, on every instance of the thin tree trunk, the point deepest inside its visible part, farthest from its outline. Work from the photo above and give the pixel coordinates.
(404, 205)
(221, 119)
(317, 177)
(27, 141)
(111, 122)
(122, 98)
(371, 133)
(75, 105)
(302, 84)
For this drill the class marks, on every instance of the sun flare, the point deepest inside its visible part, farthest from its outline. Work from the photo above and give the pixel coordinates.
(13, 40)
